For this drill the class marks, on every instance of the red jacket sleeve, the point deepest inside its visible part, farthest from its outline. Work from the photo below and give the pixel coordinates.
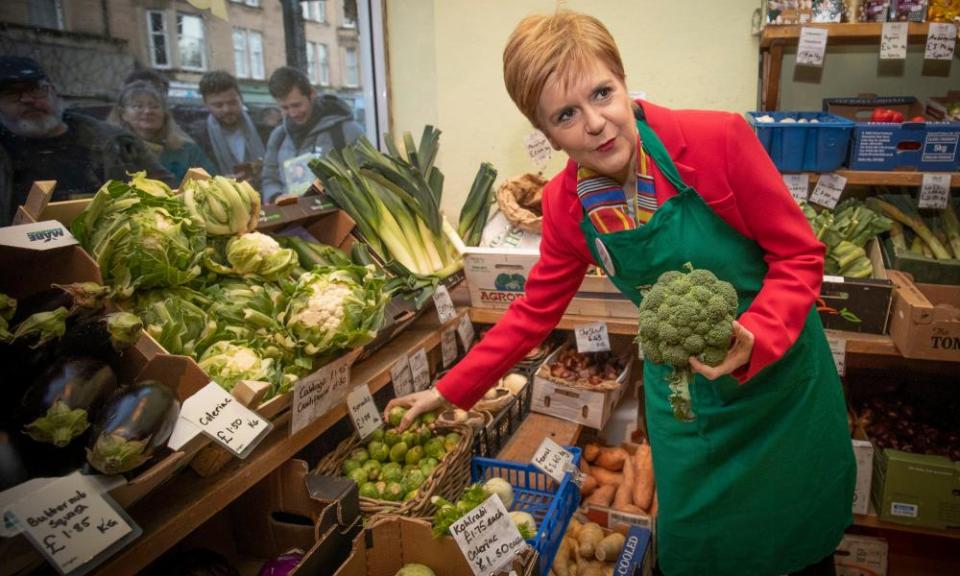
(793, 254)
(552, 283)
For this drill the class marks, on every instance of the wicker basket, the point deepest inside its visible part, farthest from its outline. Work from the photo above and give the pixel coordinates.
(448, 479)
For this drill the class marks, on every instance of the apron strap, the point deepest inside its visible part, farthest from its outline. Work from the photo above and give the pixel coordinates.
(658, 152)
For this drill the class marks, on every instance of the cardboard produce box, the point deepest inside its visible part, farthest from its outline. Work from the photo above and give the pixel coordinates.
(916, 489)
(861, 556)
(927, 146)
(922, 268)
(496, 277)
(863, 452)
(592, 408)
(858, 304)
(925, 322)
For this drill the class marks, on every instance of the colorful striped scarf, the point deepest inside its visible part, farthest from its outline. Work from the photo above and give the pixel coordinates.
(605, 202)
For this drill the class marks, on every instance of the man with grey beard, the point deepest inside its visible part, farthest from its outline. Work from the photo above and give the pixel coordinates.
(39, 140)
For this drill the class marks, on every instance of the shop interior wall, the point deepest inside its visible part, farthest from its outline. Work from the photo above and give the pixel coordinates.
(445, 68)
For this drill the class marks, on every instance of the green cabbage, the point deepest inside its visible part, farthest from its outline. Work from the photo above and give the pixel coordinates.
(140, 239)
(225, 206)
(333, 309)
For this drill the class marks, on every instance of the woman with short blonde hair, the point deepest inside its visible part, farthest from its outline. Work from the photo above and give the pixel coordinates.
(754, 467)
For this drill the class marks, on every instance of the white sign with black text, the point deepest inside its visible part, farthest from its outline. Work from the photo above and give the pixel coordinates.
(487, 537)
(363, 411)
(314, 395)
(538, 148)
(941, 41)
(221, 417)
(592, 337)
(838, 347)
(811, 47)
(402, 377)
(828, 191)
(798, 185)
(935, 191)
(552, 459)
(420, 367)
(445, 308)
(893, 41)
(72, 524)
(448, 346)
(465, 329)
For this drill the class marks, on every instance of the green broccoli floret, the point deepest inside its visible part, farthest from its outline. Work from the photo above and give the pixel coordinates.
(683, 315)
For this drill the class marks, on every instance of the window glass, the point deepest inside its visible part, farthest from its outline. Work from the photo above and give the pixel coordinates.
(312, 62)
(240, 53)
(256, 54)
(159, 48)
(190, 42)
(352, 69)
(324, 62)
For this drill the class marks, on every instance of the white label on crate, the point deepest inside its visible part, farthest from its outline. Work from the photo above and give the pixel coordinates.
(838, 347)
(363, 411)
(552, 459)
(227, 422)
(445, 309)
(812, 46)
(832, 279)
(592, 337)
(798, 185)
(465, 329)
(487, 537)
(402, 377)
(893, 41)
(44, 235)
(72, 524)
(420, 368)
(448, 346)
(627, 519)
(935, 191)
(904, 510)
(941, 41)
(314, 395)
(828, 190)
(538, 148)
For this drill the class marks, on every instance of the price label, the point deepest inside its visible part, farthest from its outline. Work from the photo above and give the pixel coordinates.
(893, 41)
(935, 191)
(838, 347)
(314, 395)
(363, 411)
(812, 46)
(798, 185)
(466, 332)
(487, 537)
(402, 377)
(72, 524)
(627, 519)
(552, 459)
(448, 346)
(221, 417)
(420, 368)
(445, 309)
(592, 337)
(941, 41)
(538, 148)
(828, 190)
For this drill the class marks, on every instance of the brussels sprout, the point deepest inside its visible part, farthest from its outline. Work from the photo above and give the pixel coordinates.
(369, 490)
(411, 495)
(360, 455)
(451, 441)
(398, 452)
(429, 418)
(391, 437)
(394, 492)
(378, 451)
(396, 415)
(349, 466)
(377, 435)
(414, 479)
(409, 438)
(427, 465)
(358, 475)
(425, 435)
(372, 468)
(413, 455)
(434, 448)
(391, 474)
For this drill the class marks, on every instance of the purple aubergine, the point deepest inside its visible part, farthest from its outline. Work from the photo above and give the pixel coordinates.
(103, 336)
(61, 402)
(79, 297)
(134, 424)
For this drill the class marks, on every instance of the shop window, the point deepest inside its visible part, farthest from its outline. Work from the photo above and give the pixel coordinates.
(256, 54)
(351, 68)
(323, 61)
(240, 68)
(46, 14)
(159, 46)
(312, 62)
(349, 8)
(191, 42)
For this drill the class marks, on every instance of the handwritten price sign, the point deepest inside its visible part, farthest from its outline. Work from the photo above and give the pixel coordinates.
(812, 47)
(221, 417)
(552, 459)
(363, 411)
(941, 41)
(893, 41)
(592, 337)
(487, 537)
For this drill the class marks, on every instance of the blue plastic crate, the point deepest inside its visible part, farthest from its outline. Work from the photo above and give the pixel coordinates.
(796, 146)
(539, 495)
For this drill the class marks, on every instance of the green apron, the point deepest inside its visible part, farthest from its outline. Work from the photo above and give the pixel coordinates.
(761, 481)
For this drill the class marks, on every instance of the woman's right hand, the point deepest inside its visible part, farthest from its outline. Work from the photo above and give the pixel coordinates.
(416, 404)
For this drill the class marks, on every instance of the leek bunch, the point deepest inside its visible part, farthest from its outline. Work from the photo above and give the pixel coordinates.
(395, 200)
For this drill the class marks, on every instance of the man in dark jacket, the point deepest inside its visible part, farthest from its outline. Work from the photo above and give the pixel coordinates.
(312, 125)
(228, 134)
(39, 140)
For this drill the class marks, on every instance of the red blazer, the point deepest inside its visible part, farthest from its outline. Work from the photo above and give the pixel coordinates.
(718, 154)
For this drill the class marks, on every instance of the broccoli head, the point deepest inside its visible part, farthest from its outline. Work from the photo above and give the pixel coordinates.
(686, 314)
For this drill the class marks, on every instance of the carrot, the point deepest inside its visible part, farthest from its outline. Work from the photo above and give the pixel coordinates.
(589, 485)
(611, 458)
(643, 483)
(604, 476)
(602, 496)
(591, 451)
(584, 466)
(624, 494)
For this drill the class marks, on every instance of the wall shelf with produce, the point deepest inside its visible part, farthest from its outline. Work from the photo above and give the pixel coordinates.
(878, 178)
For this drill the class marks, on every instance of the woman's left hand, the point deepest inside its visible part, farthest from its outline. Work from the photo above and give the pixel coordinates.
(737, 356)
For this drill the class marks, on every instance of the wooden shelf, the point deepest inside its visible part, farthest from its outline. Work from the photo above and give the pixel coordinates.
(188, 501)
(846, 33)
(534, 428)
(864, 178)
(872, 521)
(865, 344)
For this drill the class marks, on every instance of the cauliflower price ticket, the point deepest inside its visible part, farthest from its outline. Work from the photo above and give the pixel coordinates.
(487, 537)
(74, 526)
